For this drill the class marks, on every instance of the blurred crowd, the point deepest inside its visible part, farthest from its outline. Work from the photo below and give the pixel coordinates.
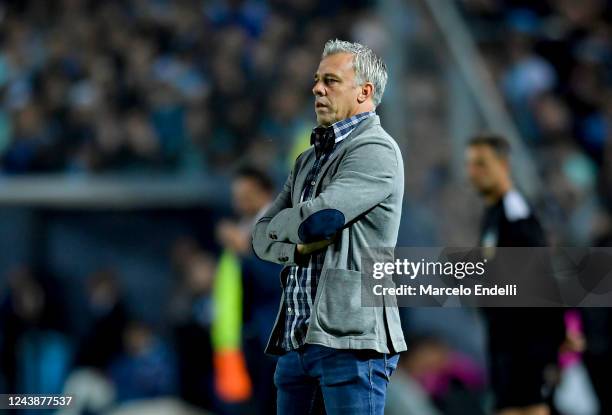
(190, 85)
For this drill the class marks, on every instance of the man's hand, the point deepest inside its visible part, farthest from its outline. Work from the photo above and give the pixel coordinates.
(232, 237)
(307, 249)
(574, 342)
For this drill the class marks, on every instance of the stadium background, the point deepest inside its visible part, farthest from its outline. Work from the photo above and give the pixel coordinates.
(122, 123)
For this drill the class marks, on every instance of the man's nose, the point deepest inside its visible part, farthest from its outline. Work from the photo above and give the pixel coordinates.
(318, 89)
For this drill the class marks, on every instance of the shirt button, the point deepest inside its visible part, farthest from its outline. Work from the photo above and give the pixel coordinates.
(291, 277)
(312, 183)
(289, 309)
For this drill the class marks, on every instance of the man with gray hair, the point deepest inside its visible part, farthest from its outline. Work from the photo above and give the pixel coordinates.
(342, 197)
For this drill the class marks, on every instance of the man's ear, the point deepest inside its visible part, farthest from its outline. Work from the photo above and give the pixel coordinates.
(367, 90)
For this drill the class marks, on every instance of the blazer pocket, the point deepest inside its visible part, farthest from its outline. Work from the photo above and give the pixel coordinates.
(339, 310)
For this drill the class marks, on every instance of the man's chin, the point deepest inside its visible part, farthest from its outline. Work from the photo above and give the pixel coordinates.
(485, 191)
(324, 121)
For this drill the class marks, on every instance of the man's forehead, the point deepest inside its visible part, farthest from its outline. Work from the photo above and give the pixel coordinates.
(337, 63)
(482, 151)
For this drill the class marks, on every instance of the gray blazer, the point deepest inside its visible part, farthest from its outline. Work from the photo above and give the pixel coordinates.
(361, 189)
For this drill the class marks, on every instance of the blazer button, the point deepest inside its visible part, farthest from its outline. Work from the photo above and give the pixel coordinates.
(283, 259)
(273, 235)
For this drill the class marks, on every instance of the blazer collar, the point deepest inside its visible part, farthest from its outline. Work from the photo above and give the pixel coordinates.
(309, 157)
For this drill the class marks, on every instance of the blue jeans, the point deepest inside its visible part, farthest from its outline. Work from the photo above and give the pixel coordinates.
(317, 380)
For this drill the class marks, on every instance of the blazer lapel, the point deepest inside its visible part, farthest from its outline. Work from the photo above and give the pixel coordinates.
(365, 124)
(300, 180)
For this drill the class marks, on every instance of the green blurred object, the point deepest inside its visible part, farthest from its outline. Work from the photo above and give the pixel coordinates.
(227, 300)
(300, 144)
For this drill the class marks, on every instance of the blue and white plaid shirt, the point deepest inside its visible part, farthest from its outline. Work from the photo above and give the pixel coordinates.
(302, 281)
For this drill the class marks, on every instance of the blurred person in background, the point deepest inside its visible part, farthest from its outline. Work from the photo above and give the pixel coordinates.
(432, 378)
(343, 196)
(34, 351)
(145, 368)
(405, 396)
(523, 342)
(255, 289)
(191, 316)
(99, 346)
(452, 379)
(32, 148)
(102, 342)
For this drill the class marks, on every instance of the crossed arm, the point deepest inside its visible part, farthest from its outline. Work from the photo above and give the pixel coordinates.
(280, 252)
(364, 178)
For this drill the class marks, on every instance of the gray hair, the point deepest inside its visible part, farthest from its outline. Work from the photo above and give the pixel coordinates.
(368, 67)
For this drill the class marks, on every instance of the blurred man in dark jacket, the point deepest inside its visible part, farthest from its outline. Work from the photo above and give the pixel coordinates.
(522, 341)
(252, 192)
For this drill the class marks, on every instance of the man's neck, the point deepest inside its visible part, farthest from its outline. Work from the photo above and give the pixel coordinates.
(359, 110)
(495, 196)
(365, 107)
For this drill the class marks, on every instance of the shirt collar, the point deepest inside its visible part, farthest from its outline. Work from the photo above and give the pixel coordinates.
(344, 127)
(324, 138)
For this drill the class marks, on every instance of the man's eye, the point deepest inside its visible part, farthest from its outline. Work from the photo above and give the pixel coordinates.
(330, 81)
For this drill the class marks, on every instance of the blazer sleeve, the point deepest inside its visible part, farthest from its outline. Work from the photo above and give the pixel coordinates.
(266, 248)
(365, 177)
